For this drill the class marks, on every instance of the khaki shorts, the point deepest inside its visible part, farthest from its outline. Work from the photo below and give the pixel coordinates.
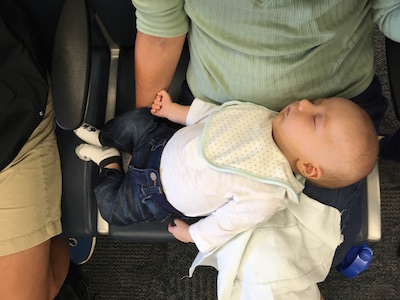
(30, 191)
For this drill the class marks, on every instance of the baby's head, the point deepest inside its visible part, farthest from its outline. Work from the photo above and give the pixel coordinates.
(331, 142)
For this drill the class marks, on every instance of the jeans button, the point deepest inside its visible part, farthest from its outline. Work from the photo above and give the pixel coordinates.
(153, 176)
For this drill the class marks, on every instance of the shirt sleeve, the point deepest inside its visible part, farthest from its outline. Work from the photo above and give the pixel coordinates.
(199, 111)
(386, 13)
(239, 214)
(161, 18)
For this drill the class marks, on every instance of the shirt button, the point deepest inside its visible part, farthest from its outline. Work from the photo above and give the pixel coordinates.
(153, 176)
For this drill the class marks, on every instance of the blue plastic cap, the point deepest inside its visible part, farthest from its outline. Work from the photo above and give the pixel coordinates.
(356, 261)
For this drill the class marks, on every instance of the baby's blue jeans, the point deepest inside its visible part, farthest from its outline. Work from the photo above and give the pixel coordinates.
(137, 195)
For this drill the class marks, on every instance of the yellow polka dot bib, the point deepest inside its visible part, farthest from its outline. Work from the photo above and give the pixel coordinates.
(238, 139)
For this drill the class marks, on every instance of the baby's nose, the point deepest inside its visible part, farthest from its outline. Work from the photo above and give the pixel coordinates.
(305, 105)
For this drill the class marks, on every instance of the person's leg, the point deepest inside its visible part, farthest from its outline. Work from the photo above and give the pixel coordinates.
(101, 156)
(133, 130)
(117, 195)
(389, 147)
(129, 132)
(33, 263)
(35, 273)
(124, 132)
(348, 201)
(373, 102)
(119, 200)
(89, 134)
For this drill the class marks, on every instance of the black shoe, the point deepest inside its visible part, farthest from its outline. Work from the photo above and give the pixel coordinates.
(74, 288)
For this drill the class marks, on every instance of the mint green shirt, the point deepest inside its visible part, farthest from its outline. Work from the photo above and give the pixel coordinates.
(274, 52)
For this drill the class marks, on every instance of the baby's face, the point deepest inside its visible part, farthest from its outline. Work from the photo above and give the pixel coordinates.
(310, 130)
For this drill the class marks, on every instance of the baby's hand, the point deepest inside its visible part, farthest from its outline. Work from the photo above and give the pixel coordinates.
(161, 104)
(180, 230)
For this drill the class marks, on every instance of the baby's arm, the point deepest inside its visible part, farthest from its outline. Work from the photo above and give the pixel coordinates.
(241, 213)
(164, 107)
(226, 222)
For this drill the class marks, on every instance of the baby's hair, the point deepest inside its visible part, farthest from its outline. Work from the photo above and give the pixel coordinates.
(354, 153)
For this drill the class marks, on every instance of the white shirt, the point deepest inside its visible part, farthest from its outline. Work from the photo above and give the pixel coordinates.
(232, 203)
(283, 258)
(275, 249)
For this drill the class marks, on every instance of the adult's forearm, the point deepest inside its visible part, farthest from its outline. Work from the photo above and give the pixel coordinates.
(155, 64)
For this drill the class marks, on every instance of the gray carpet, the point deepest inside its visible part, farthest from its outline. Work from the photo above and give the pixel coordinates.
(136, 271)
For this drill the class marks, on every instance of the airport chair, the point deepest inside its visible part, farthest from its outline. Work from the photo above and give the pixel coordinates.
(93, 51)
(93, 81)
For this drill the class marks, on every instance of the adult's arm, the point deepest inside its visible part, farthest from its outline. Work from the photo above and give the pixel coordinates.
(156, 59)
(386, 14)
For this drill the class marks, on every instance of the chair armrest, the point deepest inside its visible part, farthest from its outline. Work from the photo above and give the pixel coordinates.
(148, 232)
(71, 64)
(80, 69)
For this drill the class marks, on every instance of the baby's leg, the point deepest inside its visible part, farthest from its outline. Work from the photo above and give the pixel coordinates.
(122, 132)
(89, 134)
(129, 130)
(118, 199)
(104, 157)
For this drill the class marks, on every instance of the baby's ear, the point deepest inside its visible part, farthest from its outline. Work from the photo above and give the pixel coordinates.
(309, 170)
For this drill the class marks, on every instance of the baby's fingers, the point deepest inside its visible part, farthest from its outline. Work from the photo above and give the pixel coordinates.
(162, 93)
(155, 108)
(158, 100)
